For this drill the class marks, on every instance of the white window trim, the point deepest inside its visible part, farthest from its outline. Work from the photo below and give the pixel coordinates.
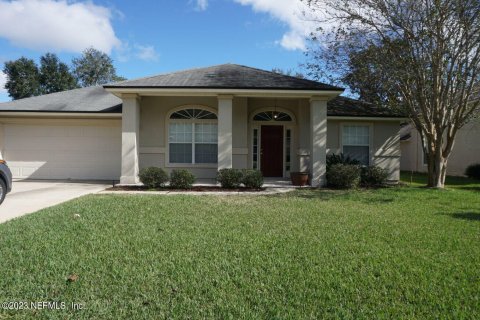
(252, 145)
(370, 137)
(285, 129)
(192, 122)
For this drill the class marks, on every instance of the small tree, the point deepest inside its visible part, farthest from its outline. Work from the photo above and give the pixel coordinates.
(23, 78)
(94, 68)
(428, 53)
(55, 75)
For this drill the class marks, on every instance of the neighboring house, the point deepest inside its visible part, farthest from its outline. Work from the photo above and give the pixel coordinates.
(202, 120)
(466, 150)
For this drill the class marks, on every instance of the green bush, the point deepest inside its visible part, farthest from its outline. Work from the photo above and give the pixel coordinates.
(373, 176)
(181, 179)
(473, 171)
(343, 176)
(230, 178)
(153, 177)
(340, 159)
(252, 179)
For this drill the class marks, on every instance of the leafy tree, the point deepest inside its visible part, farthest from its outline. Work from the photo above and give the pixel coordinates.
(424, 56)
(55, 75)
(367, 76)
(94, 68)
(23, 78)
(289, 72)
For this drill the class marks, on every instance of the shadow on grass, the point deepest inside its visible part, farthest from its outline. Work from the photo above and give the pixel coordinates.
(320, 194)
(450, 181)
(477, 189)
(367, 196)
(472, 216)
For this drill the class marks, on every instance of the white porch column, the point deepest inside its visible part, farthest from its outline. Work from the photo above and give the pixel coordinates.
(130, 138)
(318, 155)
(225, 123)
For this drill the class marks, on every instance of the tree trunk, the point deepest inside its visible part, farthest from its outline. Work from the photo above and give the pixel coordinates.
(439, 171)
(436, 163)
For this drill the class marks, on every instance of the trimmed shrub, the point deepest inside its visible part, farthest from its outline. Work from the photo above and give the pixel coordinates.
(252, 179)
(473, 171)
(340, 159)
(181, 179)
(373, 176)
(230, 178)
(153, 177)
(344, 176)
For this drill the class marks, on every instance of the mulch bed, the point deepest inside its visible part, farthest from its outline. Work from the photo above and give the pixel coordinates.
(193, 189)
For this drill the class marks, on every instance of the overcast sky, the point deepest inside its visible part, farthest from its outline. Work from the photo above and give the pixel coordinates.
(151, 37)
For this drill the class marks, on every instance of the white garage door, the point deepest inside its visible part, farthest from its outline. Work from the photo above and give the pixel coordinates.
(63, 152)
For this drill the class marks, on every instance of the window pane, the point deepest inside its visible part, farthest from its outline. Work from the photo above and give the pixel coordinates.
(360, 153)
(206, 153)
(356, 135)
(288, 144)
(180, 153)
(180, 132)
(206, 133)
(255, 148)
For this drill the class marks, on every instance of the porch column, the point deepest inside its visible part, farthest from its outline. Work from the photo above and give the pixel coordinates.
(225, 106)
(318, 126)
(130, 138)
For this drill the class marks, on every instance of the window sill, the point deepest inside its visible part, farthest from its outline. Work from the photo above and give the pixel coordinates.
(192, 165)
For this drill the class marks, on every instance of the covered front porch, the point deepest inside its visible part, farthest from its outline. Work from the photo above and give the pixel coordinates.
(203, 133)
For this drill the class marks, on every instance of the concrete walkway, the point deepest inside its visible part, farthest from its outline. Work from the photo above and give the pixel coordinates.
(28, 196)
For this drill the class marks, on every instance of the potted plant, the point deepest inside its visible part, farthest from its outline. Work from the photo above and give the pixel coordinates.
(299, 178)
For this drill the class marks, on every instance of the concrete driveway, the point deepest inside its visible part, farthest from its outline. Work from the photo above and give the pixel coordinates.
(28, 196)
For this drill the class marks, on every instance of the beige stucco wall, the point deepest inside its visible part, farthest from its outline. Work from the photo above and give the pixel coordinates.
(385, 150)
(154, 130)
(384, 144)
(466, 151)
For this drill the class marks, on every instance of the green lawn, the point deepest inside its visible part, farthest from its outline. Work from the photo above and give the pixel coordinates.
(402, 252)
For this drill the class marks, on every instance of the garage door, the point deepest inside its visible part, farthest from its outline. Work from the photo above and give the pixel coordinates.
(63, 152)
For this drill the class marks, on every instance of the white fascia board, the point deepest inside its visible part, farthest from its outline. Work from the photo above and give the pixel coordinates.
(9, 114)
(215, 92)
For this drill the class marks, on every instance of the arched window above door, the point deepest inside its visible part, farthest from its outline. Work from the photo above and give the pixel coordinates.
(272, 116)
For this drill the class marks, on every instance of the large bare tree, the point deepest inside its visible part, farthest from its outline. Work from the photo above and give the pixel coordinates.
(430, 55)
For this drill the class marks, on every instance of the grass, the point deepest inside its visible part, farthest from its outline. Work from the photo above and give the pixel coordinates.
(404, 252)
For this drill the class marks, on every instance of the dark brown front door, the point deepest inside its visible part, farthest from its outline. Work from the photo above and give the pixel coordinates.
(272, 151)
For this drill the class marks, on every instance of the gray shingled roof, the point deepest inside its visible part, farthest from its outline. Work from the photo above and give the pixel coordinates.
(225, 76)
(347, 107)
(92, 99)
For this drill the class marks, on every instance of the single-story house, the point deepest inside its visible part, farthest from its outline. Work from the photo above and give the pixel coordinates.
(466, 150)
(201, 119)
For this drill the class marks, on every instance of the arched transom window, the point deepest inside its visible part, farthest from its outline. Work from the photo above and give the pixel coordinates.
(272, 116)
(193, 136)
(189, 114)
